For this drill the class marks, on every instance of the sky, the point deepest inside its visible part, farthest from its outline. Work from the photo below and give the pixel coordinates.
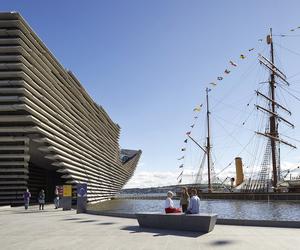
(148, 64)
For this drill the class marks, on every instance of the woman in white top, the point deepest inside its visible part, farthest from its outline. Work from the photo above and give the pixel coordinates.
(169, 205)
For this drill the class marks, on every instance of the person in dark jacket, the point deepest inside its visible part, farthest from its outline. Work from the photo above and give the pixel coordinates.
(184, 199)
(41, 199)
(26, 197)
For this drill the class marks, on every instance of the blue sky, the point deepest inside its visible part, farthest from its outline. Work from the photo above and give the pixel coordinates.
(148, 64)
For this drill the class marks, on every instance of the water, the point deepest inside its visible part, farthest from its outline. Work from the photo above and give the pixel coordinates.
(226, 209)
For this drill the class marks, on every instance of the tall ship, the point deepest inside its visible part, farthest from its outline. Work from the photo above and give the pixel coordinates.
(51, 131)
(267, 176)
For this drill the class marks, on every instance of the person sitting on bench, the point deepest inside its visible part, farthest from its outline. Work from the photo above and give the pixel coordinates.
(169, 205)
(194, 205)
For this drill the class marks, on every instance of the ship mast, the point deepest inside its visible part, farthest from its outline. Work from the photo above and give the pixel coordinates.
(208, 147)
(273, 135)
(273, 120)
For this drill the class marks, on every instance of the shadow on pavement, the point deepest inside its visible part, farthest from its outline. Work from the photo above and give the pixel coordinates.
(82, 220)
(106, 223)
(162, 232)
(34, 211)
(221, 242)
(86, 221)
(67, 219)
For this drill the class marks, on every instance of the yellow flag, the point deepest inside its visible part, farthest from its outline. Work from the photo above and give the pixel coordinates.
(197, 108)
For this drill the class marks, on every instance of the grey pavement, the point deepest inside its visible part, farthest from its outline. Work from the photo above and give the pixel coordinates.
(56, 229)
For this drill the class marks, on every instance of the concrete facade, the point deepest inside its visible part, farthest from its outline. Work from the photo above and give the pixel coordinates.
(51, 131)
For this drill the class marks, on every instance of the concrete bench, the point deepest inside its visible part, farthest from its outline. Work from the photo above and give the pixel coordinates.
(191, 222)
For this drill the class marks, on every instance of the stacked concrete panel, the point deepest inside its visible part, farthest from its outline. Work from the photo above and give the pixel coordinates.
(51, 131)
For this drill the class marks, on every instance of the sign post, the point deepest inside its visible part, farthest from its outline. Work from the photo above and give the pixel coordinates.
(81, 197)
(67, 197)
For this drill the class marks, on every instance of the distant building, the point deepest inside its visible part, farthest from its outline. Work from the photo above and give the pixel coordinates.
(51, 131)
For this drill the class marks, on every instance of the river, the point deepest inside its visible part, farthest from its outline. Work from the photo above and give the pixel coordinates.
(227, 209)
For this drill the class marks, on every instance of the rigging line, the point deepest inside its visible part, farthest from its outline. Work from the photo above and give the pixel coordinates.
(214, 158)
(284, 35)
(295, 90)
(232, 136)
(229, 105)
(258, 147)
(277, 58)
(292, 76)
(247, 118)
(291, 51)
(290, 137)
(236, 125)
(238, 154)
(281, 99)
(228, 143)
(297, 98)
(253, 96)
(286, 103)
(246, 72)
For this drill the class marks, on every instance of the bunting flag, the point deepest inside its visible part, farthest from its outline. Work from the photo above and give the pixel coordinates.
(180, 158)
(220, 78)
(197, 108)
(179, 176)
(233, 64)
(180, 181)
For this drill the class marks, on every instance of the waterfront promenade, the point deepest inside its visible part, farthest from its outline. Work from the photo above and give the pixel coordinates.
(56, 229)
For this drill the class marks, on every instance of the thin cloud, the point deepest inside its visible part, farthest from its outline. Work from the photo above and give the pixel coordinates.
(145, 179)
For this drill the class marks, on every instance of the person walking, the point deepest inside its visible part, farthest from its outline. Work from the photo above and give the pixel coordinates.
(56, 198)
(41, 199)
(194, 206)
(184, 199)
(26, 197)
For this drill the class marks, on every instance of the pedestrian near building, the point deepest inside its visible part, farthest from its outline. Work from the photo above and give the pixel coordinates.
(184, 199)
(41, 199)
(26, 197)
(56, 198)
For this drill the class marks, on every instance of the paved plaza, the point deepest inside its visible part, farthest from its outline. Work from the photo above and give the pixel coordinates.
(56, 229)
